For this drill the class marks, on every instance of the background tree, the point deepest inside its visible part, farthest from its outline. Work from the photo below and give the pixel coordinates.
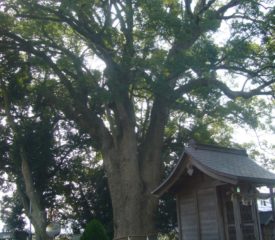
(161, 60)
(86, 193)
(54, 153)
(12, 214)
(31, 154)
(94, 230)
(14, 76)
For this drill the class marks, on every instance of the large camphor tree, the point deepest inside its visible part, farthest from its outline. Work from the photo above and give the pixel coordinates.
(124, 69)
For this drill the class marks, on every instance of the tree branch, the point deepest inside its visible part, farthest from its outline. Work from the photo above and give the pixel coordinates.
(193, 84)
(188, 7)
(205, 7)
(82, 28)
(126, 27)
(80, 112)
(250, 73)
(227, 6)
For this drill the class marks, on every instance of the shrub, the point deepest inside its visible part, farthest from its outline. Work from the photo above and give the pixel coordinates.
(94, 231)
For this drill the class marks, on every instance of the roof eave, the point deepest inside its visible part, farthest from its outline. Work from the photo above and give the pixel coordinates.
(172, 178)
(258, 181)
(233, 179)
(187, 159)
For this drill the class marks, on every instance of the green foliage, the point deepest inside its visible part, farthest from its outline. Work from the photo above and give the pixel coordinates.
(94, 231)
(90, 197)
(168, 236)
(166, 220)
(11, 213)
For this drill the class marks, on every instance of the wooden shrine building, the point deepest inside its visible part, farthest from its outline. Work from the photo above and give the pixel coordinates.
(216, 193)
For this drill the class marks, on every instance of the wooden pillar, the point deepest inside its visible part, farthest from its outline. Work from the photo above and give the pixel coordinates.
(256, 218)
(237, 217)
(179, 214)
(272, 201)
(273, 207)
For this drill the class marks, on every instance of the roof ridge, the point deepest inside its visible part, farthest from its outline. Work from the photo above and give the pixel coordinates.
(211, 147)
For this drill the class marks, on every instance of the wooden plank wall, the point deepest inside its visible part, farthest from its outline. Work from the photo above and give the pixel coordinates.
(207, 207)
(188, 217)
(198, 212)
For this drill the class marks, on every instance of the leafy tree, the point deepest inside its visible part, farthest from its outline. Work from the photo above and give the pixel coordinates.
(34, 136)
(30, 154)
(11, 213)
(85, 190)
(161, 62)
(93, 231)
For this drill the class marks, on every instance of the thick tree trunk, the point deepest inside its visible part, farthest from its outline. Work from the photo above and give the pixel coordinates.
(134, 170)
(134, 217)
(134, 207)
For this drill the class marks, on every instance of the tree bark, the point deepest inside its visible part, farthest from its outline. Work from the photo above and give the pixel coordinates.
(133, 172)
(29, 196)
(134, 207)
(32, 201)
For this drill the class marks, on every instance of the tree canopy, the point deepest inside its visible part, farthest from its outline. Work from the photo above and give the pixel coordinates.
(137, 76)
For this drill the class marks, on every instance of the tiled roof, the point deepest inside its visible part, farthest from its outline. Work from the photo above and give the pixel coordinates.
(228, 165)
(229, 162)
